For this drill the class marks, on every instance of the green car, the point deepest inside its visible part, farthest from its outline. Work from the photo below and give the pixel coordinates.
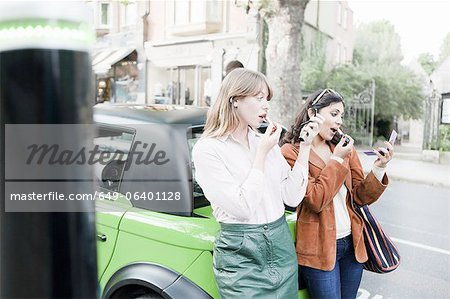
(155, 229)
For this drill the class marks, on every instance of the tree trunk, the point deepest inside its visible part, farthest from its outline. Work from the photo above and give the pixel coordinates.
(284, 19)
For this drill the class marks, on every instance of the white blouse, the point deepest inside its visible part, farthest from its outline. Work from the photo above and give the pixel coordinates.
(342, 218)
(239, 193)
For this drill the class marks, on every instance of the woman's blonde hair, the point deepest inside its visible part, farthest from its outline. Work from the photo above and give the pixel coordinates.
(239, 83)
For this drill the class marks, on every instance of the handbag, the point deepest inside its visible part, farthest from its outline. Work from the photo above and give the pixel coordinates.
(383, 255)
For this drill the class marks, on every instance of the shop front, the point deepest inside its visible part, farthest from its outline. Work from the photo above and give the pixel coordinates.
(180, 73)
(183, 85)
(190, 71)
(116, 75)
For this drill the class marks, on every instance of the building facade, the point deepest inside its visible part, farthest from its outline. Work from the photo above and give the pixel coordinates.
(118, 58)
(329, 24)
(181, 47)
(189, 44)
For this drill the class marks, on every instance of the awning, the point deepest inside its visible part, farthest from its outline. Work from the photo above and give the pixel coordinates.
(103, 60)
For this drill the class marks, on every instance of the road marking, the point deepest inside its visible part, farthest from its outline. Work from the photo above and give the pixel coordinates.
(364, 294)
(426, 247)
(413, 229)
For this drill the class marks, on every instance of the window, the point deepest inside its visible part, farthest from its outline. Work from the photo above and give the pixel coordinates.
(187, 85)
(105, 11)
(130, 14)
(182, 12)
(192, 17)
(205, 87)
(339, 13)
(112, 146)
(195, 11)
(338, 53)
(214, 10)
(199, 198)
(344, 18)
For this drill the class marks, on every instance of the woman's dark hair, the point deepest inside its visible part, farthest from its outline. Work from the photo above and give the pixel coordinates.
(317, 100)
(234, 64)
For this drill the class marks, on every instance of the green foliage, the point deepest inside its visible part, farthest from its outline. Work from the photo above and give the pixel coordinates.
(125, 2)
(377, 42)
(398, 93)
(313, 64)
(427, 62)
(444, 138)
(377, 56)
(348, 79)
(445, 49)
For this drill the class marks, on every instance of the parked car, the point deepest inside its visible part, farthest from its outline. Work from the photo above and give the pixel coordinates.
(155, 229)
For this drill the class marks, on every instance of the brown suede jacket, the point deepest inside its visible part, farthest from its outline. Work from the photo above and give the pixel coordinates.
(316, 228)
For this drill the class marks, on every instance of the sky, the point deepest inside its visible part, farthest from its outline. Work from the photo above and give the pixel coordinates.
(422, 25)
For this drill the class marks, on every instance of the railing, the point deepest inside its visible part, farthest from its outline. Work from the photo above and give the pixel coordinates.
(359, 121)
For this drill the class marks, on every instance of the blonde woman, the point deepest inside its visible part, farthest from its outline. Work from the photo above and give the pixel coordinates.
(247, 180)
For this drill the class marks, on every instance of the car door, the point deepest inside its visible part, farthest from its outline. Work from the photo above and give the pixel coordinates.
(112, 145)
(109, 213)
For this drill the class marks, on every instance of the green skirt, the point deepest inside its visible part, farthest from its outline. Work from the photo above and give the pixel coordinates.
(256, 261)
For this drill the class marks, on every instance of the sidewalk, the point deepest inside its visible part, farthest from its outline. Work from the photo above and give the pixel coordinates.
(406, 166)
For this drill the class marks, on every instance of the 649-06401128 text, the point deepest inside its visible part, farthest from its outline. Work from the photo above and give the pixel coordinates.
(97, 195)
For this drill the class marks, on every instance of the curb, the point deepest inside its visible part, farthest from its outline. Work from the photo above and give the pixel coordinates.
(415, 180)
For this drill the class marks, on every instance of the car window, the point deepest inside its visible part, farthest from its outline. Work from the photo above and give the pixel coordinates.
(111, 148)
(199, 198)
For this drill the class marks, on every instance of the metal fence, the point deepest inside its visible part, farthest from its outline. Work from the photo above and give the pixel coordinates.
(359, 120)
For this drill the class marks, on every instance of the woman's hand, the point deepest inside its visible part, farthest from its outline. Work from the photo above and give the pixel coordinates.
(388, 152)
(311, 129)
(344, 147)
(270, 138)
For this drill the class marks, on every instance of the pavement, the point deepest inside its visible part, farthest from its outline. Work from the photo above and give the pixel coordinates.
(406, 165)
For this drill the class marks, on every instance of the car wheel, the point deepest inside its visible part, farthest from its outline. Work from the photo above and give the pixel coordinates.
(135, 292)
(149, 296)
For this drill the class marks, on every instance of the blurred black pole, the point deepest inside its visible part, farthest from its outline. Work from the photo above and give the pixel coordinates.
(45, 77)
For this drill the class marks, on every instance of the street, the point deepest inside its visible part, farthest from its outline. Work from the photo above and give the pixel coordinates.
(416, 217)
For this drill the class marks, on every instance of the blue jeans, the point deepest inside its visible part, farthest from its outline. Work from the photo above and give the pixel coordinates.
(341, 282)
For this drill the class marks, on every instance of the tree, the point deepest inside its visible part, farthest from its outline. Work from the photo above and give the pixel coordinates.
(445, 49)
(284, 19)
(426, 60)
(377, 57)
(313, 64)
(377, 42)
(398, 90)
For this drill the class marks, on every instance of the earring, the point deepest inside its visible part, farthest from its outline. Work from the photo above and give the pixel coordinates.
(235, 105)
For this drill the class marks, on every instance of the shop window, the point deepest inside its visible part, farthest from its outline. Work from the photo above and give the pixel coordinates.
(183, 86)
(205, 87)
